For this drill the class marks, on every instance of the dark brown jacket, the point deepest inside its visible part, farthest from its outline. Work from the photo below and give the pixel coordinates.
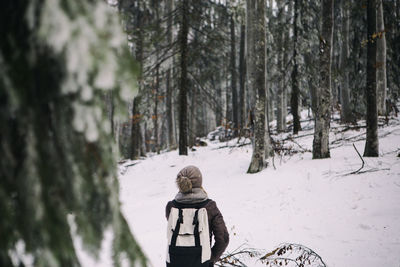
(215, 222)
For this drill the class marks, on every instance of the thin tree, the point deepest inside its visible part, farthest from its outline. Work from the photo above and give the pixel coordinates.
(233, 77)
(242, 76)
(381, 60)
(372, 142)
(258, 79)
(249, 54)
(157, 83)
(323, 96)
(183, 40)
(136, 119)
(280, 96)
(346, 112)
(294, 99)
(169, 93)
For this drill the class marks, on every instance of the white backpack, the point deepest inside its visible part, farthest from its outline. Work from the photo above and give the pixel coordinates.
(188, 238)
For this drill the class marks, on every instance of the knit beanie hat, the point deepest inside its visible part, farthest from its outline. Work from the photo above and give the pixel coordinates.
(188, 178)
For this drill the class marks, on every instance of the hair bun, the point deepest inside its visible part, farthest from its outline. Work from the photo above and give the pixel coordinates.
(184, 184)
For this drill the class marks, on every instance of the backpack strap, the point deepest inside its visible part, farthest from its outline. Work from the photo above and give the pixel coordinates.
(196, 229)
(177, 228)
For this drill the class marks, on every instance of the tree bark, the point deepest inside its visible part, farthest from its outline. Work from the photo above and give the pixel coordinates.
(136, 134)
(258, 77)
(381, 60)
(323, 105)
(157, 85)
(233, 78)
(155, 116)
(346, 111)
(280, 98)
(169, 93)
(183, 81)
(217, 85)
(193, 117)
(242, 77)
(268, 53)
(228, 96)
(250, 23)
(372, 143)
(294, 99)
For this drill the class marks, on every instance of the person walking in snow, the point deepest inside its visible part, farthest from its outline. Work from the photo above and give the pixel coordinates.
(193, 219)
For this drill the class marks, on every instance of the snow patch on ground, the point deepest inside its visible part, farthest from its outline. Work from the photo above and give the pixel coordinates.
(351, 220)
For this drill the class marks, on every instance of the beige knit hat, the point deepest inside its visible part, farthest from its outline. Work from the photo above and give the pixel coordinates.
(188, 178)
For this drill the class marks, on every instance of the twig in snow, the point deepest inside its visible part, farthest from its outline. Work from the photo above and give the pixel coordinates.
(362, 166)
(374, 170)
(236, 257)
(232, 146)
(295, 254)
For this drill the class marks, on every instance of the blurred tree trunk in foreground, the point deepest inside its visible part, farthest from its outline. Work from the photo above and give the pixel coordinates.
(58, 168)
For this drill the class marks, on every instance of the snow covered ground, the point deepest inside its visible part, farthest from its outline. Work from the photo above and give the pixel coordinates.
(349, 220)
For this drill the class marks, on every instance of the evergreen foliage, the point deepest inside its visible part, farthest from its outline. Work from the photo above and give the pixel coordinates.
(58, 171)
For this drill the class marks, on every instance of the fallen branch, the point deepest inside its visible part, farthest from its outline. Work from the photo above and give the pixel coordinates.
(363, 162)
(234, 146)
(356, 138)
(290, 137)
(374, 170)
(235, 258)
(300, 146)
(294, 254)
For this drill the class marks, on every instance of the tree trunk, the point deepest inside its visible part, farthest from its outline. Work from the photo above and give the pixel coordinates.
(250, 23)
(346, 111)
(286, 63)
(233, 78)
(294, 99)
(155, 116)
(372, 143)
(268, 53)
(381, 60)
(169, 93)
(135, 129)
(193, 117)
(257, 78)
(335, 61)
(157, 85)
(280, 99)
(242, 77)
(228, 95)
(218, 108)
(183, 81)
(323, 105)
(136, 138)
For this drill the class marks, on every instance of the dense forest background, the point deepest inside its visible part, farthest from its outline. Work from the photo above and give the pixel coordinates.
(202, 64)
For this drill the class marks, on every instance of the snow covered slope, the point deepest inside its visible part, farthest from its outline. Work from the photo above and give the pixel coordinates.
(349, 220)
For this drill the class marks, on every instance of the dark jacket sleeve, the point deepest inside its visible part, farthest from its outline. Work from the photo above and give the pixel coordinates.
(218, 229)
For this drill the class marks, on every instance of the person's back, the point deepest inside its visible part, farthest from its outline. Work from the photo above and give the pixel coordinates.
(191, 196)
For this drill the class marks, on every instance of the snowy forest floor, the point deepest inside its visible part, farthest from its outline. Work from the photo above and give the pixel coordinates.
(348, 219)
